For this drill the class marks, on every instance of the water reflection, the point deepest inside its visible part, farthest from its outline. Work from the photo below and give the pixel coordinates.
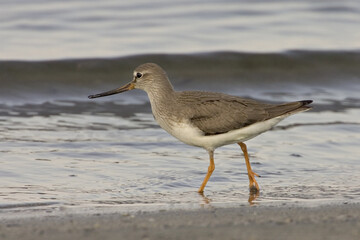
(205, 199)
(253, 195)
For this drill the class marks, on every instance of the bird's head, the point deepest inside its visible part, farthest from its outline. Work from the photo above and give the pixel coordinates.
(146, 77)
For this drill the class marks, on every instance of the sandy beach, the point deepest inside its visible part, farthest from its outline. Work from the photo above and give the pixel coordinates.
(256, 222)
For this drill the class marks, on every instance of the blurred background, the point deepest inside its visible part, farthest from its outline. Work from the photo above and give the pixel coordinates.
(58, 148)
(42, 29)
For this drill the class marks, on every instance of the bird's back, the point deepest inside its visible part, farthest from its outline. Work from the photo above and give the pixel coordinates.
(216, 113)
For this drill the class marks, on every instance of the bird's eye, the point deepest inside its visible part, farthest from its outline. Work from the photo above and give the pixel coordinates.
(138, 75)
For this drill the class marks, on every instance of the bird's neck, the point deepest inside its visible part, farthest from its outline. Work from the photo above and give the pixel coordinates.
(161, 97)
(161, 92)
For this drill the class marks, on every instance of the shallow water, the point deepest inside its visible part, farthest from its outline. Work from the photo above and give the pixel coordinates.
(109, 153)
(88, 166)
(59, 150)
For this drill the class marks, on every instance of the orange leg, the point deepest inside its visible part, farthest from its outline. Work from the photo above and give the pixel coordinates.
(210, 170)
(253, 185)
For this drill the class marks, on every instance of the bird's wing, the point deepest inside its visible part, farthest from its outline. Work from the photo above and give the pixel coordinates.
(220, 113)
(215, 113)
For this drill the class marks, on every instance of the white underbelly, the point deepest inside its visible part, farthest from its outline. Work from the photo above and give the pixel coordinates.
(191, 135)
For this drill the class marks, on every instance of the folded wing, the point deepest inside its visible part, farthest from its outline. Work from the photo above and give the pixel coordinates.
(219, 113)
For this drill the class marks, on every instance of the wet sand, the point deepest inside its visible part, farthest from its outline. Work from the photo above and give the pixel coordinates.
(255, 222)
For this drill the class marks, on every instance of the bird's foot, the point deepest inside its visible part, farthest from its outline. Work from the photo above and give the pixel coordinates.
(253, 185)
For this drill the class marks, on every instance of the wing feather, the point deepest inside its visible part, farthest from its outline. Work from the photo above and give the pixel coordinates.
(215, 113)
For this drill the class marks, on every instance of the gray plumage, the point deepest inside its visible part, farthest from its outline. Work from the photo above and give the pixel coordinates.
(206, 119)
(216, 113)
(213, 113)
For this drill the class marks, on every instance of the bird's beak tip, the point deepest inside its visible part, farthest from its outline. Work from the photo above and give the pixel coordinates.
(127, 87)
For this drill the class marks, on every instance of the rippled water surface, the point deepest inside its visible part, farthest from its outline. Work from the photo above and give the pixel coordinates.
(39, 29)
(60, 150)
(102, 159)
(145, 165)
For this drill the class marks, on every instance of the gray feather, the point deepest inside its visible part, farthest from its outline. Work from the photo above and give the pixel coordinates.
(215, 113)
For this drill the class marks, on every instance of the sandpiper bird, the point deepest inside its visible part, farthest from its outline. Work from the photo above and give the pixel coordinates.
(207, 119)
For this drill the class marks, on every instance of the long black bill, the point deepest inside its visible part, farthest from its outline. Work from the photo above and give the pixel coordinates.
(125, 88)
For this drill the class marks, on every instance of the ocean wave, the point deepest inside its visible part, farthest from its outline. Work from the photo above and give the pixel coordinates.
(268, 73)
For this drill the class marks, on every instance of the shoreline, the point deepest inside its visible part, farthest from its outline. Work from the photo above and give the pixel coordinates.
(250, 222)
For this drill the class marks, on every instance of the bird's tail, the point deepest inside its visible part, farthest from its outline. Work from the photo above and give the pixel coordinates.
(289, 108)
